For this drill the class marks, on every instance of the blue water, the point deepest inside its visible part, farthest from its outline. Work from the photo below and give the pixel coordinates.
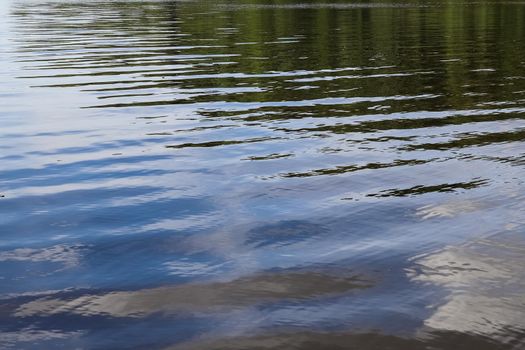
(262, 175)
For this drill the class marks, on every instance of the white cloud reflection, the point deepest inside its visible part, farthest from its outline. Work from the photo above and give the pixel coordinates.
(68, 255)
(485, 280)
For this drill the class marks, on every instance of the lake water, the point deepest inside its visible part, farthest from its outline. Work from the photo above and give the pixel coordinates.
(262, 175)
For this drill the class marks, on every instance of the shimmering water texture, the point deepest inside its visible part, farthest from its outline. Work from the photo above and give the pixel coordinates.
(262, 175)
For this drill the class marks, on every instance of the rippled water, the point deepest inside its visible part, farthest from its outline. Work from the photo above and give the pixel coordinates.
(262, 175)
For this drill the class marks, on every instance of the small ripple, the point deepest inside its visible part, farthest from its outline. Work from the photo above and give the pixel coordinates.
(422, 189)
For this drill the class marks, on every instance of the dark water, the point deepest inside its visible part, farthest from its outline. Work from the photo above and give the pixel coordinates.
(262, 175)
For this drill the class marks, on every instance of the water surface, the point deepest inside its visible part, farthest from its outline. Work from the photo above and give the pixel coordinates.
(262, 175)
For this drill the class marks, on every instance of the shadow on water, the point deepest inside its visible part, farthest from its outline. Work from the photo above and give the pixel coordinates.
(350, 341)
